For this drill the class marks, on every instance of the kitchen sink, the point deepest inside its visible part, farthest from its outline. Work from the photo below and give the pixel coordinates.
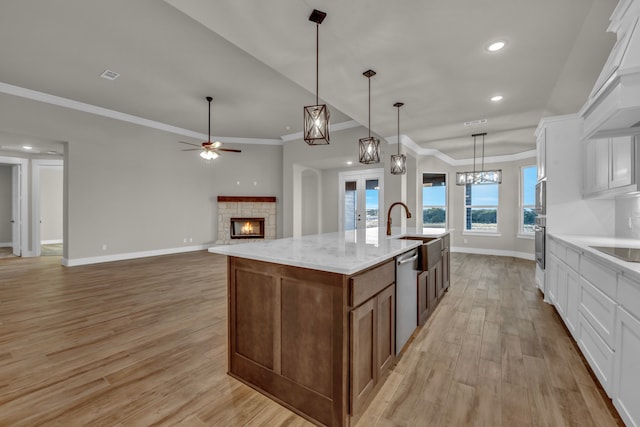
(429, 253)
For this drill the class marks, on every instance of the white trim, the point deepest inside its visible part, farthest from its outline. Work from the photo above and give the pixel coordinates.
(496, 252)
(24, 219)
(131, 255)
(361, 176)
(112, 114)
(332, 128)
(527, 236)
(411, 144)
(482, 233)
(6, 244)
(51, 242)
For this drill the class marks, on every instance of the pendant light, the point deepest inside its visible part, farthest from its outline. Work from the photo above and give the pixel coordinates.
(370, 146)
(398, 161)
(316, 117)
(482, 176)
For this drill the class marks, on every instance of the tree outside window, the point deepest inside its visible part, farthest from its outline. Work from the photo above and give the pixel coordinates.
(481, 207)
(434, 200)
(527, 199)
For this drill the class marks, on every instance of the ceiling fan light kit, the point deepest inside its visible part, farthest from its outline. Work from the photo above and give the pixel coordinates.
(369, 146)
(316, 117)
(482, 176)
(398, 161)
(210, 150)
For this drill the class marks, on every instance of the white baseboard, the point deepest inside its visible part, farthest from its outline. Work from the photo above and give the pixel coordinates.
(131, 255)
(496, 252)
(50, 242)
(6, 245)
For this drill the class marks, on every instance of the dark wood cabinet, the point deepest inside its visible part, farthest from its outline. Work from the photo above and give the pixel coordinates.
(446, 262)
(427, 295)
(372, 338)
(435, 280)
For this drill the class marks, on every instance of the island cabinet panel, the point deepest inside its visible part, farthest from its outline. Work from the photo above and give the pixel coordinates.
(366, 285)
(363, 365)
(288, 336)
(386, 329)
(306, 339)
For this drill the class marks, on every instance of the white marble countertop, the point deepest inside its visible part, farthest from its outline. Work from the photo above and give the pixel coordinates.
(341, 252)
(583, 244)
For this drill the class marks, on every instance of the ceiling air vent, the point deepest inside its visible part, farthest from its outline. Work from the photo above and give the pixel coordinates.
(109, 75)
(476, 122)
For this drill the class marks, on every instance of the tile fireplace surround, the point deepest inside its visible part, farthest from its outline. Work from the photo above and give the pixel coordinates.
(245, 207)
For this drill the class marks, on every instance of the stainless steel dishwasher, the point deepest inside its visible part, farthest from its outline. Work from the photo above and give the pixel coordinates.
(406, 297)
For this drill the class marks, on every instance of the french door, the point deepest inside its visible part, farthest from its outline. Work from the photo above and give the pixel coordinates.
(361, 199)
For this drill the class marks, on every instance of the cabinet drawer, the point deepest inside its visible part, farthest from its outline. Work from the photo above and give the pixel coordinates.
(365, 285)
(629, 296)
(599, 275)
(597, 352)
(599, 310)
(573, 259)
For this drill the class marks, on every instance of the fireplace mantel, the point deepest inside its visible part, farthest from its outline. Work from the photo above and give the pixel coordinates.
(247, 199)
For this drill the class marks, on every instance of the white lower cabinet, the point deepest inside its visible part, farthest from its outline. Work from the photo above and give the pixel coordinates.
(573, 293)
(626, 386)
(599, 309)
(597, 352)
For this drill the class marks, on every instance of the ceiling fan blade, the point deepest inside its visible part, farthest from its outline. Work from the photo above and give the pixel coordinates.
(192, 149)
(189, 143)
(229, 149)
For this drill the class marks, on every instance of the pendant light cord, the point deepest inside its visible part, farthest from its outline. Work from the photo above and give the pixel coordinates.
(369, 78)
(398, 130)
(317, 58)
(209, 136)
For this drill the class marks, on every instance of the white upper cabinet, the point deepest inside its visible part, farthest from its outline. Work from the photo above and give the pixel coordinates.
(609, 166)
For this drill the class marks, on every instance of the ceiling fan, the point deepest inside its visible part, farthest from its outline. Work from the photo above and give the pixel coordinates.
(210, 150)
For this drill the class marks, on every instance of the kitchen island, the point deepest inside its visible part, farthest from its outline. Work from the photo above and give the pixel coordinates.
(312, 319)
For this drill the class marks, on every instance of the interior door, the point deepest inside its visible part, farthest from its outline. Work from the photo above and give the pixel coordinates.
(361, 200)
(15, 210)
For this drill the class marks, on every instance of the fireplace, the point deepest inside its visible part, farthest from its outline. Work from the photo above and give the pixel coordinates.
(247, 228)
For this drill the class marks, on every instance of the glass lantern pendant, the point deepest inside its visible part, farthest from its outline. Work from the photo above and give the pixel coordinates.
(398, 161)
(316, 117)
(482, 176)
(370, 146)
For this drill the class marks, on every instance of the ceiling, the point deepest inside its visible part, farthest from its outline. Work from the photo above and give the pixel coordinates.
(257, 60)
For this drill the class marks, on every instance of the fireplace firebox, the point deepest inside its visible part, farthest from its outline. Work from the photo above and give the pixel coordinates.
(247, 228)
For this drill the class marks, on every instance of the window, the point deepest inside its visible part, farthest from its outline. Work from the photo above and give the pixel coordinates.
(527, 199)
(481, 207)
(434, 200)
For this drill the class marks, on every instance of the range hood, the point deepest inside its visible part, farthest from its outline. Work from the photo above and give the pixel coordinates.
(613, 107)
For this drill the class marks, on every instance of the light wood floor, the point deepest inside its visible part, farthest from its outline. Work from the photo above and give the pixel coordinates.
(143, 342)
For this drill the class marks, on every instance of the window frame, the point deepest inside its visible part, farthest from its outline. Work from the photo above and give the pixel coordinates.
(446, 198)
(521, 233)
(465, 231)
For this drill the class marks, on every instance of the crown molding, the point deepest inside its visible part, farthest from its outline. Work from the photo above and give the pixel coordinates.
(112, 114)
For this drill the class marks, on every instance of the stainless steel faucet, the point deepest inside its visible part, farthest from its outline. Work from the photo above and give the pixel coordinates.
(406, 208)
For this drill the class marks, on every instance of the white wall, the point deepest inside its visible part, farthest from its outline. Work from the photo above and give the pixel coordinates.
(311, 194)
(51, 202)
(5, 204)
(628, 217)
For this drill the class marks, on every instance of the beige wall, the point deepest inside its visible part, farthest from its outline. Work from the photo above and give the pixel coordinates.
(5, 204)
(51, 212)
(508, 243)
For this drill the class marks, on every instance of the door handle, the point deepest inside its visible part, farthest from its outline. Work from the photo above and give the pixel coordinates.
(404, 261)
(12, 221)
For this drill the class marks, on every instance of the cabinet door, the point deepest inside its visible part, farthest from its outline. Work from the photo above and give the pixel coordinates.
(552, 280)
(573, 295)
(599, 164)
(446, 265)
(626, 387)
(424, 302)
(621, 155)
(386, 320)
(561, 291)
(363, 344)
(432, 289)
(438, 279)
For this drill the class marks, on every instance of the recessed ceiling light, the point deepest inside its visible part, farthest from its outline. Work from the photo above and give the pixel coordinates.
(27, 147)
(349, 162)
(109, 75)
(496, 98)
(496, 46)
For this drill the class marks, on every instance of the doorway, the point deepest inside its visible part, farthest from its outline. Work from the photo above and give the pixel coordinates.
(47, 205)
(361, 197)
(13, 216)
